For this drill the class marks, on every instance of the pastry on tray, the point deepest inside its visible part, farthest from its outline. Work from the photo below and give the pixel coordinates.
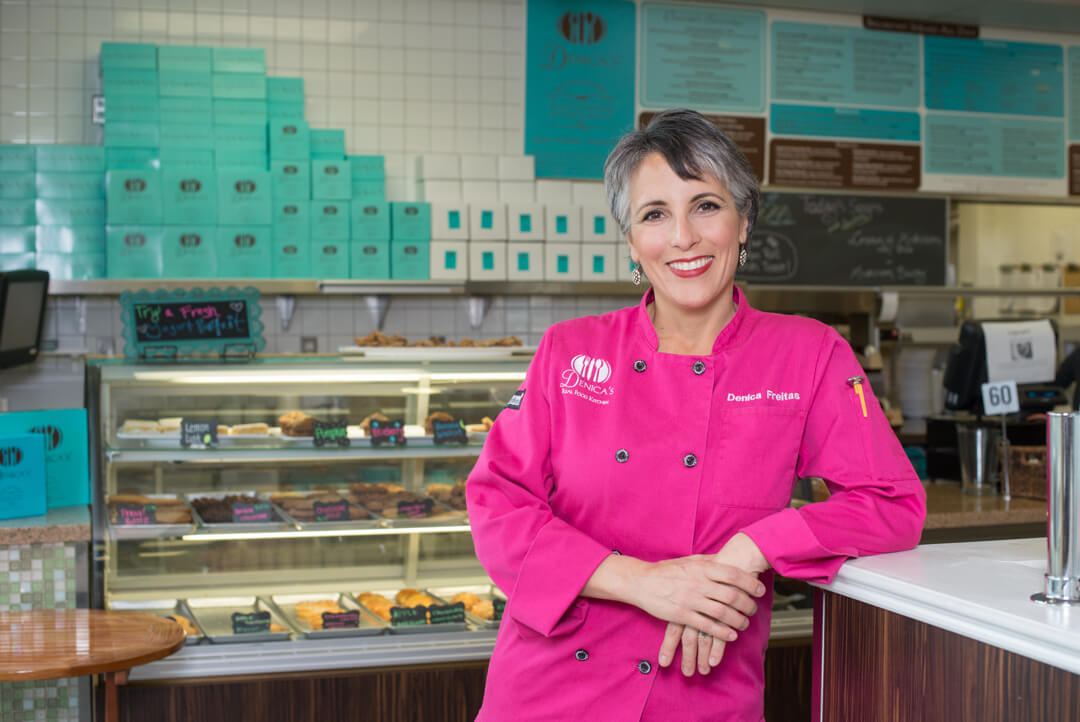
(377, 603)
(220, 511)
(140, 426)
(383, 499)
(311, 612)
(249, 430)
(483, 608)
(167, 510)
(429, 422)
(185, 624)
(296, 423)
(452, 496)
(483, 426)
(365, 423)
(301, 505)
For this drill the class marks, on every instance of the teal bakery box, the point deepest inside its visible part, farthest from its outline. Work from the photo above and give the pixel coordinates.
(292, 254)
(133, 251)
(67, 458)
(189, 196)
(369, 260)
(22, 475)
(189, 252)
(290, 178)
(245, 251)
(330, 221)
(329, 258)
(410, 260)
(244, 197)
(133, 196)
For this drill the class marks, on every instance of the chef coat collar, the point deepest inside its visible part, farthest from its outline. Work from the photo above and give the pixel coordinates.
(723, 339)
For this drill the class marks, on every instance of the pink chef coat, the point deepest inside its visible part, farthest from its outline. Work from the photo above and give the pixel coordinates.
(610, 445)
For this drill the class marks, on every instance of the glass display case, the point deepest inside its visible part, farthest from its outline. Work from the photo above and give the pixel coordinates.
(330, 478)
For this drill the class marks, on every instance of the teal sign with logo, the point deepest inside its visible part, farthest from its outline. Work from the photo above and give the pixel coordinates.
(22, 475)
(579, 83)
(184, 322)
(67, 451)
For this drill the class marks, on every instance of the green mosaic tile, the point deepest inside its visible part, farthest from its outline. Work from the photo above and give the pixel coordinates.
(69, 584)
(69, 563)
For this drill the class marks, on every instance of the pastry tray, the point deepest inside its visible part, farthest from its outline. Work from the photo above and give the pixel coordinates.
(279, 521)
(162, 608)
(371, 521)
(409, 629)
(441, 514)
(213, 615)
(370, 624)
(484, 591)
(123, 532)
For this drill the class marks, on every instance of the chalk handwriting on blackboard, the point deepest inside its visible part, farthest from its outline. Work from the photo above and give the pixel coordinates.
(164, 320)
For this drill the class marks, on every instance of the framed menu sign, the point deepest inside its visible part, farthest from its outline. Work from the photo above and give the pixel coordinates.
(185, 322)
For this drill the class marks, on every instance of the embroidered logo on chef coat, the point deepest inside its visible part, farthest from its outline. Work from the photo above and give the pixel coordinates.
(585, 379)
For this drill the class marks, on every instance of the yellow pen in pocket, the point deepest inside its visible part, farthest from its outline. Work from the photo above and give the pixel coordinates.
(856, 383)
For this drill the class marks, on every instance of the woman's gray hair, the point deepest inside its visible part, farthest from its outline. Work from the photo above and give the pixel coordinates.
(694, 148)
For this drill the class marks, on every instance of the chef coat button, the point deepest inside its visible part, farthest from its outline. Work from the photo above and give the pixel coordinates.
(644, 667)
(689, 461)
(699, 367)
(639, 365)
(622, 455)
(581, 655)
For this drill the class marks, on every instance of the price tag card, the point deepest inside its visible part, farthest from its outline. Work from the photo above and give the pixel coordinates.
(1000, 397)
(341, 620)
(415, 509)
(450, 432)
(250, 622)
(136, 514)
(387, 433)
(330, 433)
(408, 616)
(447, 613)
(331, 511)
(199, 433)
(500, 607)
(243, 512)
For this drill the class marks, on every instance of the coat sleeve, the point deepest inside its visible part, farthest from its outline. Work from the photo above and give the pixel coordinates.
(542, 561)
(877, 503)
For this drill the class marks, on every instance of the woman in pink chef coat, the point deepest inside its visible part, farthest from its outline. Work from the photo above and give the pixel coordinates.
(633, 497)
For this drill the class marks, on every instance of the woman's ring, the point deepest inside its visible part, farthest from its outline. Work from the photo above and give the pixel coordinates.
(703, 634)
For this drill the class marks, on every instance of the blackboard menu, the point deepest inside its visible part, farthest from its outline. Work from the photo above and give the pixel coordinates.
(182, 321)
(848, 240)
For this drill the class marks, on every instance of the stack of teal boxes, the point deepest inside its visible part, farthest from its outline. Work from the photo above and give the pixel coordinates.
(245, 198)
(188, 177)
(410, 241)
(17, 216)
(370, 236)
(70, 210)
(132, 167)
(290, 178)
(331, 193)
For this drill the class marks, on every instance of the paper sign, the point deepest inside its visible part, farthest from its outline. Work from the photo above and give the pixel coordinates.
(1000, 397)
(198, 432)
(250, 622)
(341, 620)
(385, 433)
(415, 509)
(136, 514)
(450, 432)
(1020, 351)
(244, 512)
(332, 511)
(330, 433)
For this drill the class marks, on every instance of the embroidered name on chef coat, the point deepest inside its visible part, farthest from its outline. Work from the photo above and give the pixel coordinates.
(767, 394)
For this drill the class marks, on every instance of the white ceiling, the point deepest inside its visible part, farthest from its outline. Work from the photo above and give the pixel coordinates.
(1057, 16)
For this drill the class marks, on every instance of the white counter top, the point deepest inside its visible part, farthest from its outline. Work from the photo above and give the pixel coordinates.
(981, 590)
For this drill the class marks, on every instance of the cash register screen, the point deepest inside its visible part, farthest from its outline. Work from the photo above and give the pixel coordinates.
(22, 307)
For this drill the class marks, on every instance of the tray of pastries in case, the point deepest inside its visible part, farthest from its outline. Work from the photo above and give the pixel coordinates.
(298, 428)
(484, 603)
(410, 611)
(452, 496)
(322, 615)
(148, 516)
(236, 511)
(238, 619)
(165, 432)
(380, 345)
(401, 507)
(323, 510)
(173, 609)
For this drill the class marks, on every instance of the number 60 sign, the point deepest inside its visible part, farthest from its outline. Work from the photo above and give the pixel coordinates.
(1000, 397)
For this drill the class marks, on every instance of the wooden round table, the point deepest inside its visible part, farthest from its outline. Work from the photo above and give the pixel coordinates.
(56, 643)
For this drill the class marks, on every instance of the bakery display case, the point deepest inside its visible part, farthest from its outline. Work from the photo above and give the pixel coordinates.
(298, 504)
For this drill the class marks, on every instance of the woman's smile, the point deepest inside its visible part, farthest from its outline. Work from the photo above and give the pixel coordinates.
(691, 267)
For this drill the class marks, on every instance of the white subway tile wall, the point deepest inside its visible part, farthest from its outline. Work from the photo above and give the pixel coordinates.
(402, 77)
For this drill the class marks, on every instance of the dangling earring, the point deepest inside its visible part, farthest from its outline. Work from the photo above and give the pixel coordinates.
(635, 276)
(743, 255)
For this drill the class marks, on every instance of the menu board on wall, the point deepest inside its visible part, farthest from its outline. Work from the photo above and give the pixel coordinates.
(747, 133)
(706, 58)
(828, 164)
(843, 122)
(848, 240)
(843, 64)
(1074, 92)
(579, 83)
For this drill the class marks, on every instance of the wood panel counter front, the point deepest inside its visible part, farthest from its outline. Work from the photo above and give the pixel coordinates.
(946, 632)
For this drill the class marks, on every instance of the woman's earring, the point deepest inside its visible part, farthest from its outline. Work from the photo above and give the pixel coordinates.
(635, 276)
(743, 255)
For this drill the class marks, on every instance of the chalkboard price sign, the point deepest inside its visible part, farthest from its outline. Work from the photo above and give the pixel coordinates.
(136, 514)
(246, 512)
(408, 616)
(500, 607)
(447, 613)
(195, 432)
(250, 622)
(450, 432)
(387, 433)
(341, 620)
(847, 240)
(330, 433)
(191, 321)
(415, 509)
(331, 511)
